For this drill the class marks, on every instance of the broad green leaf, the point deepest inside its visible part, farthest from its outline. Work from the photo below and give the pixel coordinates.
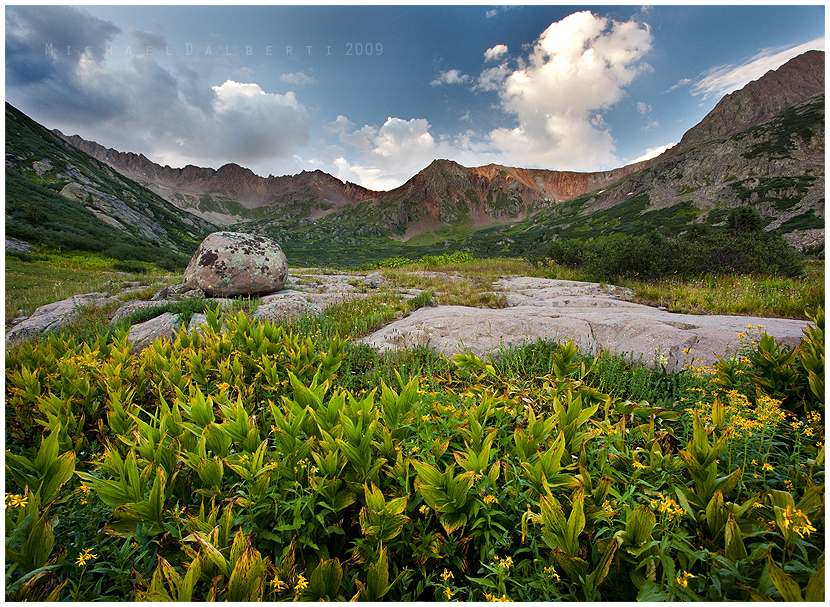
(784, 583)
(814, 592)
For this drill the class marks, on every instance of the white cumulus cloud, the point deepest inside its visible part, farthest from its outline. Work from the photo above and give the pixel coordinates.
(450, 77)
(491, 54)
(578, 68)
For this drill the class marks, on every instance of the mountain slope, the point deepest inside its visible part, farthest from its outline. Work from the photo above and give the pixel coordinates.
(231, 193)
(800, 78)
(762, 146)
(59, 196)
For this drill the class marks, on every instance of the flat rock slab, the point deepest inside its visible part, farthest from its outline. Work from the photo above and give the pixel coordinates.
(595, 317)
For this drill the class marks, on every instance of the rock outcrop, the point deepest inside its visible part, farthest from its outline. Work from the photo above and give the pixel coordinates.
(230, 264)
(52, 317)
(144, 334)
(595, 317)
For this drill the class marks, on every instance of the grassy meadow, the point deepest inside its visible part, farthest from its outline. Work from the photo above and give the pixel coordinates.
(289, 462)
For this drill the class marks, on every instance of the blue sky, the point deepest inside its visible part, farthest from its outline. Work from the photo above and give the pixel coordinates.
(372, 94)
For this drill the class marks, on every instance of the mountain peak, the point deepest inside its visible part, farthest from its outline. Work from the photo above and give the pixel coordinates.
(798, 79)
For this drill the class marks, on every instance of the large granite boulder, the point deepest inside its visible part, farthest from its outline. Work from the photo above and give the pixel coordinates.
(229, 264)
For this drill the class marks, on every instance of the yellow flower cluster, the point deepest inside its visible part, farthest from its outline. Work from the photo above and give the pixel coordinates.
(300, 585)
(492, 598)
(447, 575)
(504, 563)
(278, 585)
(798, 520)
(683, 578)
(85, 557)
(490, 499)
(16, 501)
(666, 505)
(551, 572)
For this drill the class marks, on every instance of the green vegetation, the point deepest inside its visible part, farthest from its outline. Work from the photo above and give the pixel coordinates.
(37, 213)
(779, 136)
(742, 249)
(286, 461)
(763, 296)
(52, 276)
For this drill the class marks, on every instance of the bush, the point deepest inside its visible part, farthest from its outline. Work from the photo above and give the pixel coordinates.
(699, 253)
(133, 267)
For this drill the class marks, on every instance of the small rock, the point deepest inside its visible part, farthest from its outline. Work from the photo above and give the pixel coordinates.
(375, 281)
(161, 295)
(144, 334)
(52, 317)
(292, 304)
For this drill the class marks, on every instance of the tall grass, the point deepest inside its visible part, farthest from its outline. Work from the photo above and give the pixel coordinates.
(765, 296)
(53, 276)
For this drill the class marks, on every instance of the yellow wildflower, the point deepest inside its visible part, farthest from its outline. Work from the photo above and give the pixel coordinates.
(490, 499)
(85, 557)
(301, 582)
(767, 468)
(683, 578)
(424, 509)
(799, 521)
(447, 575)
(551, 573)
(16, 501)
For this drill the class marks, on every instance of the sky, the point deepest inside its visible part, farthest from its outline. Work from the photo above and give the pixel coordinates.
(373, 93)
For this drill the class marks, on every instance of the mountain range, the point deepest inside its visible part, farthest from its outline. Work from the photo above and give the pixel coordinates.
(762, 145)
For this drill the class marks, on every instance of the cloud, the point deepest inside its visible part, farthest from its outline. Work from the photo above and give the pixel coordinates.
(643, 108)
(578, 68)
(173, 115)
(491, 54)
(492, 79)
(297, 78)
(390, 154)
(653, 152)
(450, 77)
(498, 10)
(721, 80)
(339, 125)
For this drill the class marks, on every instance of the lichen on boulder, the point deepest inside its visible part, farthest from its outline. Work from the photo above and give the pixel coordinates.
(232, 264)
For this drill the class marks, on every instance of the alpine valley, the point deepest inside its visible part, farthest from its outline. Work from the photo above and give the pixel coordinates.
(761, 146)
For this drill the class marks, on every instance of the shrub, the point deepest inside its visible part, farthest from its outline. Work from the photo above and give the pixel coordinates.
(133, 267)
(654, 256)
